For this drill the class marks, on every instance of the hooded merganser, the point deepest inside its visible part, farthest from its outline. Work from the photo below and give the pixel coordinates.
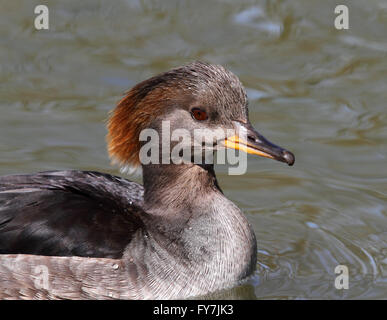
(82, 234)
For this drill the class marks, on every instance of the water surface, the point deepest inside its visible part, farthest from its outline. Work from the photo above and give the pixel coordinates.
(317, 91)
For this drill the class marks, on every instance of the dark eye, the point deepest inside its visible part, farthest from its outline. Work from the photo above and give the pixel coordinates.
(199, 114)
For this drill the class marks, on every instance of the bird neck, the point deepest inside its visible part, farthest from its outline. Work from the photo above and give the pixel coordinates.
(172, 187)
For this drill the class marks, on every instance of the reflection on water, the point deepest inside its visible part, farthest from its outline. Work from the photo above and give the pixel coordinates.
(317, 91)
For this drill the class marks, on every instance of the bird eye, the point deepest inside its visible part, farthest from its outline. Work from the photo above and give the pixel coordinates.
(199, 114)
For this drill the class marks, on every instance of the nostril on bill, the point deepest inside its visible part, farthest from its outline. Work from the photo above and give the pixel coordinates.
(251, 138)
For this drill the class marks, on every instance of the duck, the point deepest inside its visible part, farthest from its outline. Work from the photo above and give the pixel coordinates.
(74, 234)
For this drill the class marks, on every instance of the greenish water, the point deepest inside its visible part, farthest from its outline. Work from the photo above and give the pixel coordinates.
(317, 91)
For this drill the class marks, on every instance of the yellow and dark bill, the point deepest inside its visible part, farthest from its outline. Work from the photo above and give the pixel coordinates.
(254, 143)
